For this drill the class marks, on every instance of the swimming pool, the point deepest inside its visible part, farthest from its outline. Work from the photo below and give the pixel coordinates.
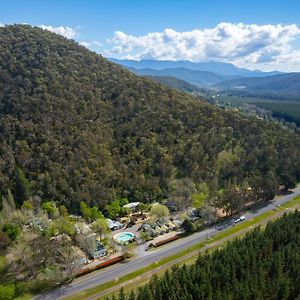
(124, 237)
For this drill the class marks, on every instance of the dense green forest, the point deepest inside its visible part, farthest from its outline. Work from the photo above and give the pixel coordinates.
(265, 264)
(289, 111)
(76, 127)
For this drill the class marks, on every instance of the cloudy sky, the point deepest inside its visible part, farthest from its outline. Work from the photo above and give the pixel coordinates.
(254, 34)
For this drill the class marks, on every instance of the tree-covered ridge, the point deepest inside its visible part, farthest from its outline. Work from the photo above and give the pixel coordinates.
(175, 83)
(74, 126)
(262, 265)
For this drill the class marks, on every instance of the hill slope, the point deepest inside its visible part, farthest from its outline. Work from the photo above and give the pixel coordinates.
(277, 86)
(176, 83)
(82, 128)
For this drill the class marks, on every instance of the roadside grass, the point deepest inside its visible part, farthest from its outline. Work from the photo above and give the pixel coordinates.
(292, 202)
(219, 236)
(24, 297)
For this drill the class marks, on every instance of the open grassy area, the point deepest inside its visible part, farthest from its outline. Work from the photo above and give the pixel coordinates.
(218, 237)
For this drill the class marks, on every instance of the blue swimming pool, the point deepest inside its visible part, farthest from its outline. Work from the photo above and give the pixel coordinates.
(124, 237)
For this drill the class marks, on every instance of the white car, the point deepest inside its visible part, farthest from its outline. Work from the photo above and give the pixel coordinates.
(240, 219)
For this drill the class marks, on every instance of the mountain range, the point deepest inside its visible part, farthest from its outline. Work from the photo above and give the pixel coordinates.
(219, 68)
(199, 78)
(223, 76)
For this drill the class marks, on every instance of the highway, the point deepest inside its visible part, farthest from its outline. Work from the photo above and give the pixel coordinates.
(144, 258)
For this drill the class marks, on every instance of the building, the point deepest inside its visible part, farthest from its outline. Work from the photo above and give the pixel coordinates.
(132, 206)
(87, 240)
(99, 250)
(114, 225)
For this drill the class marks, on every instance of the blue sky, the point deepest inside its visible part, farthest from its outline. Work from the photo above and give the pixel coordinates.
(137, 29)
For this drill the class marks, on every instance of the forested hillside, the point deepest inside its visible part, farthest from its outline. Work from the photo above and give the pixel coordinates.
(76, 127)
(282, 86)
(263, 265)
(176, 83)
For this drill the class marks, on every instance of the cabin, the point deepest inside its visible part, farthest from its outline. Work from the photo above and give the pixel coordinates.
(114, 225)
(132, 206)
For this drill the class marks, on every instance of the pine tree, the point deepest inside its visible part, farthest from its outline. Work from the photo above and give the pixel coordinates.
(122, 295)
(132, 295)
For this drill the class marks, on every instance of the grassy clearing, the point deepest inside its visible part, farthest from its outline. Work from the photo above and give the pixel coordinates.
(219, 236)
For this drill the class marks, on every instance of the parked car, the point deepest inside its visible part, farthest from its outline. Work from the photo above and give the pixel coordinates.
(240, 219)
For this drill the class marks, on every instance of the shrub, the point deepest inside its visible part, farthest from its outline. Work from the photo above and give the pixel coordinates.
(12, 231)
(50, 208)
(7, 292)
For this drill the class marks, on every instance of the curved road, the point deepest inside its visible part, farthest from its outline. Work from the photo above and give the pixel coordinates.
(145, 258)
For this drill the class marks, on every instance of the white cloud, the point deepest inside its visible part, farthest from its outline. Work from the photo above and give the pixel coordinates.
(245, 45)
(97, 43)
(65, 31)
(91, 44)
(85, 44)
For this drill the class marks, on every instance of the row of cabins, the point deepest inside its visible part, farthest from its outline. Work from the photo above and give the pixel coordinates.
(157, 228)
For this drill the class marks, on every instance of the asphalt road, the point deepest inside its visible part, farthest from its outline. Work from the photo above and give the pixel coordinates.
(146, 258)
